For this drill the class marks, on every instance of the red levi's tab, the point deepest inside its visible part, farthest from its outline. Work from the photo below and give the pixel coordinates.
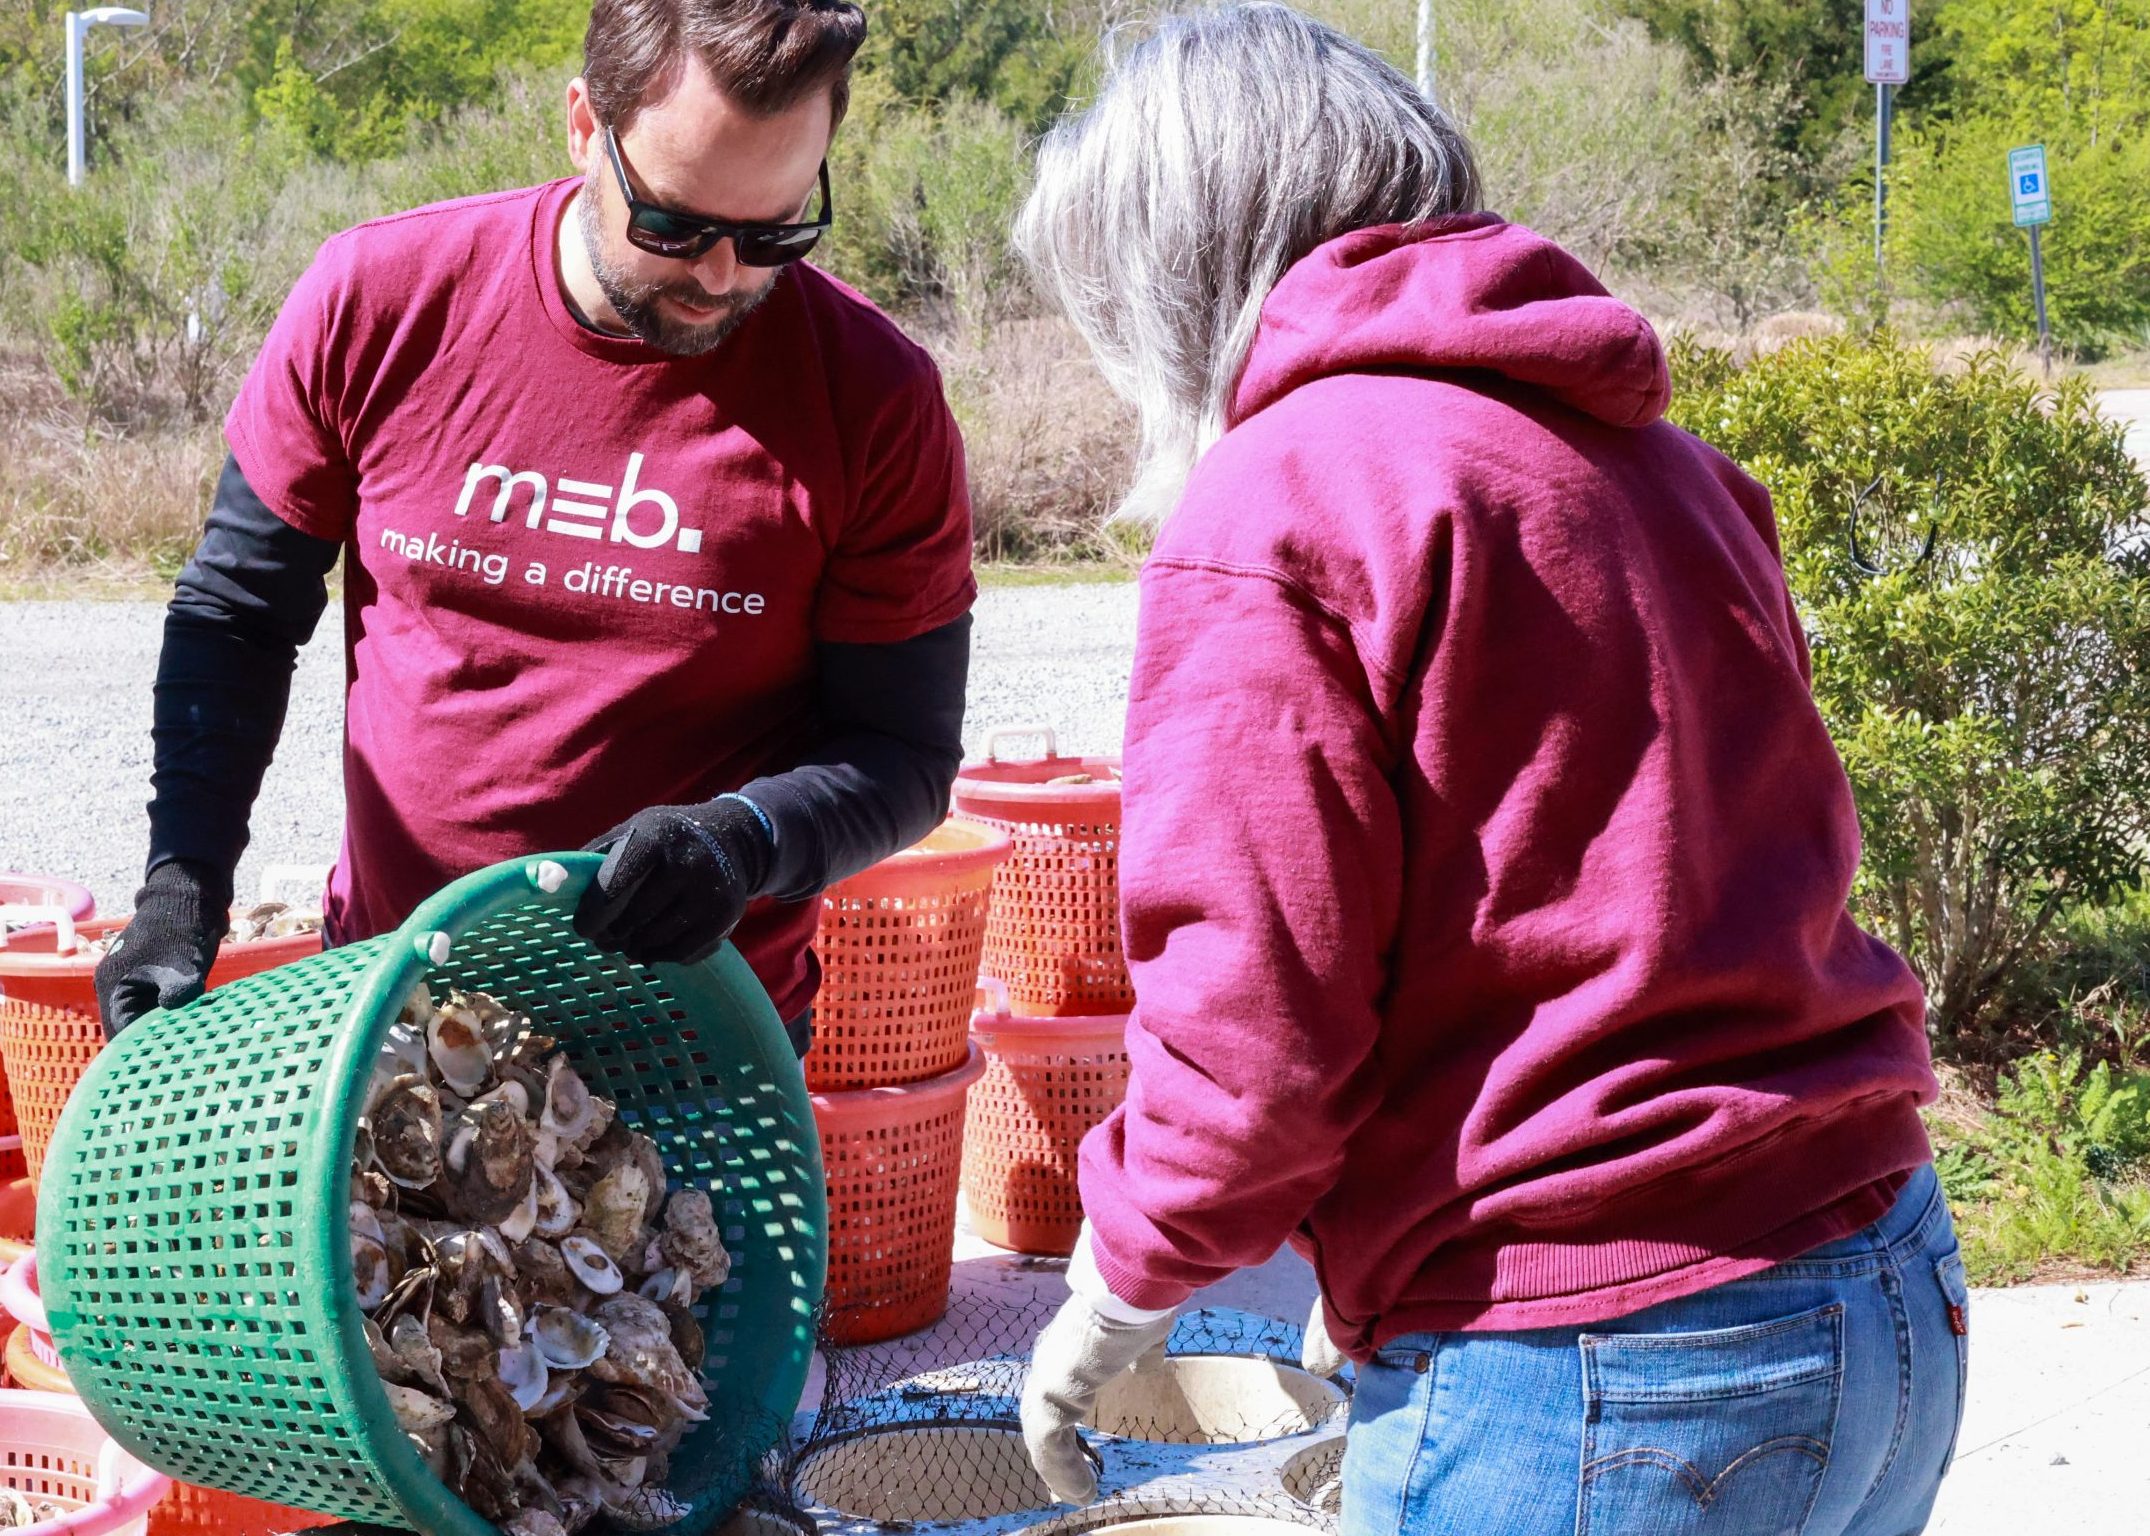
(583, 576)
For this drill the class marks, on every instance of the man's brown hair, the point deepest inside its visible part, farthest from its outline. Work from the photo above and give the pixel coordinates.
(765, 54)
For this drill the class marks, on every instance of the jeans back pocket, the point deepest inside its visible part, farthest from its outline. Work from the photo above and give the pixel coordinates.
(1694, 1434)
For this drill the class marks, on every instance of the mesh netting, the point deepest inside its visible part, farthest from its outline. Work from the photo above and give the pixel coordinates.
(1225, 1430)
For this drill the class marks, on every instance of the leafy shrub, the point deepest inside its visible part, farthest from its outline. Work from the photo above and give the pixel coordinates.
(1992, 703)
(2055, 1172)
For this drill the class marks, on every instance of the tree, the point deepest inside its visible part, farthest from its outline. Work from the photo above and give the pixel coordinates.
(1992, 703)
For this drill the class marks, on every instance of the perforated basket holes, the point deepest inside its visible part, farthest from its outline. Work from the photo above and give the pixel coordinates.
(1028, 1116)
(44, 1471)
(1053, 929)
(46, 1051)
(712, 1120)
(898, 976)
(179, 1237)
(892, 1216)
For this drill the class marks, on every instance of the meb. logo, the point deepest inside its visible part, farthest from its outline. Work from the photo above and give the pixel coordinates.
(583, 509)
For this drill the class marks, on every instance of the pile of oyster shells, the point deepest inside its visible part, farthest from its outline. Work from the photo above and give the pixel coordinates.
(272, 920)
(526, 1281)
(263, 920)
(18, 1511)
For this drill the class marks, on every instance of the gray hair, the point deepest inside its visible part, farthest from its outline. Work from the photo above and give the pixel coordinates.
(1222, 149)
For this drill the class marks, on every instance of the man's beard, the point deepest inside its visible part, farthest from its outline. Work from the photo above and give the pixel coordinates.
(635, 301)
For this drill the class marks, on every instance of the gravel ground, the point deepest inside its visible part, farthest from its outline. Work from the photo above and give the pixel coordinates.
(75, 701)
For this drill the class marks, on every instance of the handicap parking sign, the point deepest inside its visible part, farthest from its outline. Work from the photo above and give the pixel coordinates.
(2027, 183)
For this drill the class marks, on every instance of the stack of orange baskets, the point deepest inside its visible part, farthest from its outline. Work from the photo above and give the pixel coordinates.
(26, 917)
(891, 1065)
(1054, 1034)
(50, 1029)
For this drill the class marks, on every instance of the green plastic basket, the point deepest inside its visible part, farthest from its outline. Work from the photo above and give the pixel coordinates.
(193, 1241)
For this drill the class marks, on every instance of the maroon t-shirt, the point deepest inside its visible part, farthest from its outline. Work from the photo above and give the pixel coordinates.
(584, 576)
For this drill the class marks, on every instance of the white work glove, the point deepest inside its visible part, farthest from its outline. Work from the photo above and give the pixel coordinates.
(1318, 1353)
(1080, 1351)
(1090, 1341)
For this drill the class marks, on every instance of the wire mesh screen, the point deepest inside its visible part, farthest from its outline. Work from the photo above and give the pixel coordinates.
(925, 1431)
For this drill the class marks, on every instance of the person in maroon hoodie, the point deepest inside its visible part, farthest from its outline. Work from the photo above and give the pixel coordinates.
(1486, 857)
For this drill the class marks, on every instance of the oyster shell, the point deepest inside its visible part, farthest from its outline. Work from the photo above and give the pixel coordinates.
(414, 1350)
(544, 1275)
(687, 1335)
(673, 1285)
(523, 1221)
(641, 1352)
(416, 1411)
(591, 1266)
(406, 1130)
(573, 1116)
(566, 1338)
(613, 1214)
(557, 1210)
(690, 1240)
(456, 1045)
(465, 1353)
(487, 1169)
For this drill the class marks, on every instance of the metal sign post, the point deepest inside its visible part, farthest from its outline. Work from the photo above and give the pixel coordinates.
(1888, 65)
(2032, 196)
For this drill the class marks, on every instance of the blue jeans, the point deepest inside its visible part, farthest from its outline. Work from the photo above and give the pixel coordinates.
(1818, 1398)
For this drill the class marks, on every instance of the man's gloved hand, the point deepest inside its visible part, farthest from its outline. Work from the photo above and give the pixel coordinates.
(1080, 1351)
(161, 959)
(676, 880)
(1318, 1353)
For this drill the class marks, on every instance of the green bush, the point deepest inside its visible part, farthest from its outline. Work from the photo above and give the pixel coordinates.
(2055, 1172)
(928, 196)
(1992, 703)
(1953, 240)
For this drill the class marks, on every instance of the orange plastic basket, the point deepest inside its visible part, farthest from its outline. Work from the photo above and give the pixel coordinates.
(49, 1026)
(899, 946)
(18, 1219)
(1053, 931)
(893, 1158)
(1047, 1084)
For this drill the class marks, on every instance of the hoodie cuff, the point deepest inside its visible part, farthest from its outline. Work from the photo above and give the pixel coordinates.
(1087, 1280)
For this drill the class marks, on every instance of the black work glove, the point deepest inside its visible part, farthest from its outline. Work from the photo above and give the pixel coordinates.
(676, 880)
(161, 959)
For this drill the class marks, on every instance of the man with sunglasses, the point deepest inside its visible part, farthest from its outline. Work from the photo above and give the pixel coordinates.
(655, 540)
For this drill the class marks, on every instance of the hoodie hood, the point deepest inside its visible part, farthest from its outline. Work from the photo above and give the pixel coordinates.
(1462, 294)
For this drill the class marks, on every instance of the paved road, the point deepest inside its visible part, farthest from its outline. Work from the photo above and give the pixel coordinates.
(75, 710)
(2131, 408)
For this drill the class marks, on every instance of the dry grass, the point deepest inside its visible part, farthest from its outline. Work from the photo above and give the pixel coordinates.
(85, 505)
(89, 500)
(1050, 445)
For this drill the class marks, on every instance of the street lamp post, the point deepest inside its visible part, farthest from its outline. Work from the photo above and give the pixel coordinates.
(79, 22)
(1425, 49)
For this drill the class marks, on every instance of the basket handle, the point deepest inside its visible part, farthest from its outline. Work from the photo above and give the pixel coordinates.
(311, 878)
(993, 739)
(18, 1292)
(62, 920)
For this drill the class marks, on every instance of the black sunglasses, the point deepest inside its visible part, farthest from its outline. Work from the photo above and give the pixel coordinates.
(686, 236)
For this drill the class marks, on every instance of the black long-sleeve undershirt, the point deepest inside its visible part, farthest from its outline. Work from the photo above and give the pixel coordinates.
(875, 779)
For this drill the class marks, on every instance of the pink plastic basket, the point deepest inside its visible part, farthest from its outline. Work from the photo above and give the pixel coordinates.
(50, 1448)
